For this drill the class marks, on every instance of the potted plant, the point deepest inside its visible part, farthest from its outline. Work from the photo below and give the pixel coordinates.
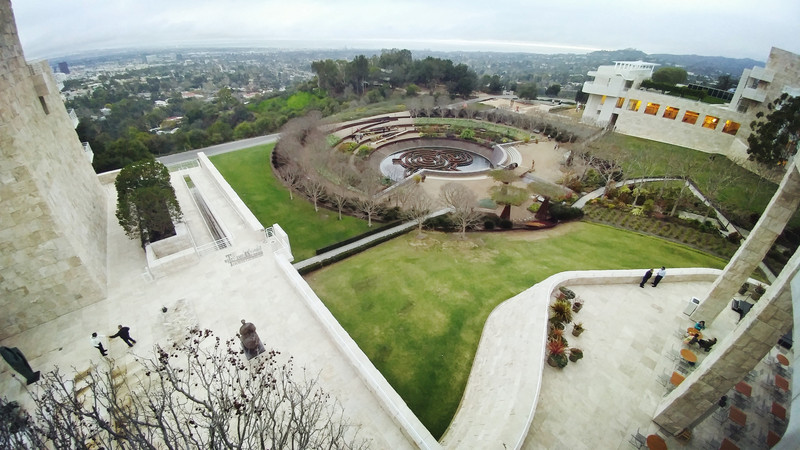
(744, 288)
(577, 305)
(575, 354)
(558, 335)
(557, 354)
(758, 292)
(568, 293)
(577, 329)
(562, 311)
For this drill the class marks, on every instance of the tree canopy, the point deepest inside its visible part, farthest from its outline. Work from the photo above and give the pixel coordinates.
(670, 75)
(146, 204)
(775, 138)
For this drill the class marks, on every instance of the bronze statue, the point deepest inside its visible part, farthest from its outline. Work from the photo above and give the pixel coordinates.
(250, 341)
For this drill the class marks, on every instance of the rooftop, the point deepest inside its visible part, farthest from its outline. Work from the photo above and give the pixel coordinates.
(630, 340)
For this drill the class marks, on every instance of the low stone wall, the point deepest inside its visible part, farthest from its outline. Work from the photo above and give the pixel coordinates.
(170, 255)
(391, 402)
(233, 199)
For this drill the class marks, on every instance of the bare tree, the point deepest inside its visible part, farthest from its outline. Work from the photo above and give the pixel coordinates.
(293, 175)
(201, 393)
(314, 186)
(369, 202)
(417, 206)
(463, 202)
(343, 177)
(645, 164)
(715, 184)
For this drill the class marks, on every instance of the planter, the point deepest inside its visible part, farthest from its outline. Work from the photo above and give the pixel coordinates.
(559, 361)
(577, 307)
(577, 332)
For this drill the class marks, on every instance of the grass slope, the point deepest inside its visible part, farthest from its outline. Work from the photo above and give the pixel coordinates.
(250, 174)
(417, 306)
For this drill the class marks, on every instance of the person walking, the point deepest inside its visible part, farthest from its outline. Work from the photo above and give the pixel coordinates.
(659, 275)
(646, 277)
(125, 334)
(97, 343)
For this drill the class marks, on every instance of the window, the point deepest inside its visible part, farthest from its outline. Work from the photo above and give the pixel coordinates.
(710, 122)
(690, 117)
(652, 108)
(620, 102)
(628, 84)
(603, 100)
(730, 127)
(633, 105)
(44, 105)
(671, 113)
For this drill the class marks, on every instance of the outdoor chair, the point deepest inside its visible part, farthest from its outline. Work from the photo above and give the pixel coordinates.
(638, 440)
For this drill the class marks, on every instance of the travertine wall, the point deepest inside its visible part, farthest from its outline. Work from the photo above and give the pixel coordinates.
(52, 207)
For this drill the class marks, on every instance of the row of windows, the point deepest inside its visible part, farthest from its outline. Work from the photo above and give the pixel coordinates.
(671, 113)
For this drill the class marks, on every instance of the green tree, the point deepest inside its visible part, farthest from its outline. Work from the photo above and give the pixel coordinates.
(243, 130)
(146, 204)
(507, 194)
(775, 138)
(552, 90)
(670, 75)
(527, 91)
(725, 82)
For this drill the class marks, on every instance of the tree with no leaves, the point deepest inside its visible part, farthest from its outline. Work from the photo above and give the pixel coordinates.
(417, 206)
(201, 393)
(463, 203)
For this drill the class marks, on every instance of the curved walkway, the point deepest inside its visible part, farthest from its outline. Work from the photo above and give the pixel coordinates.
(505, 382)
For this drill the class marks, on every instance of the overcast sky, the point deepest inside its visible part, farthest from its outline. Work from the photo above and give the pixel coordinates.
(733, 28)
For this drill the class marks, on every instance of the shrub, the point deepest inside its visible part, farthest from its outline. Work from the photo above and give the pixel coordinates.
(534, 207)
(506, 224)
(563, 212)
(443, 223)
(648, 205)
(488, 225)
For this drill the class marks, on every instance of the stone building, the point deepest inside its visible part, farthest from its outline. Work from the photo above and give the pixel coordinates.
(616, 100)
(53, 215)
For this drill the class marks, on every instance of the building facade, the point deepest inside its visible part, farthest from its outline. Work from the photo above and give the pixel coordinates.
(617, 101)
(53, 217)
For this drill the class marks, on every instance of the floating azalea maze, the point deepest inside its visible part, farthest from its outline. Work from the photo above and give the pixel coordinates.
(434, 159)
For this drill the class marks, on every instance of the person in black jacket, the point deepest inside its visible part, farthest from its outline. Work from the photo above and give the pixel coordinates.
(125, 334)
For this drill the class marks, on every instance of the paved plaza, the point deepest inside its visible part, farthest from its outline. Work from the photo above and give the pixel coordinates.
(594, 403)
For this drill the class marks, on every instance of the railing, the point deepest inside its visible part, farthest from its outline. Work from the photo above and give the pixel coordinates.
(219, 244)
(183, 165)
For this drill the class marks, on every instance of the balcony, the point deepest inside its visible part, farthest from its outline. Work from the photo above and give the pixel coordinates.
(762, 74)
(74, 118)
(611, 88)
(87, 150)
(756, 95)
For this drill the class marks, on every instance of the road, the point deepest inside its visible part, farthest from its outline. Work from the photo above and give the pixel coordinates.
(217, 149)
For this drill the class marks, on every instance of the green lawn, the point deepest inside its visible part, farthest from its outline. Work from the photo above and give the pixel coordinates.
(250, 174)
(417, 307)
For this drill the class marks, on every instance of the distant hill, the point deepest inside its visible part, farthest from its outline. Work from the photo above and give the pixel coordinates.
(707, 65)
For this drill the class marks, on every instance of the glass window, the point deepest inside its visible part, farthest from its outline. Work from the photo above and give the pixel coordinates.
(620, 102)
(633, 105)
(690, 117)
(671, 113)
(603, 100)
(710, 122)
(652, 108)
(730, 127)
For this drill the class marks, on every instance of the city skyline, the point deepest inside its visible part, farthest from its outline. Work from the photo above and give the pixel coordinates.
(729, 29)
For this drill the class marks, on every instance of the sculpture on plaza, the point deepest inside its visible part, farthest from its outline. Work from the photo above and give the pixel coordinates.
(17, 361)
(251, 343)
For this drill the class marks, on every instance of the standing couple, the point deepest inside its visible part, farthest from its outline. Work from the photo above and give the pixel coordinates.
(659, 275)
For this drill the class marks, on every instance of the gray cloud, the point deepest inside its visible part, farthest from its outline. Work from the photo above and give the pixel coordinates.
(732, 28)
